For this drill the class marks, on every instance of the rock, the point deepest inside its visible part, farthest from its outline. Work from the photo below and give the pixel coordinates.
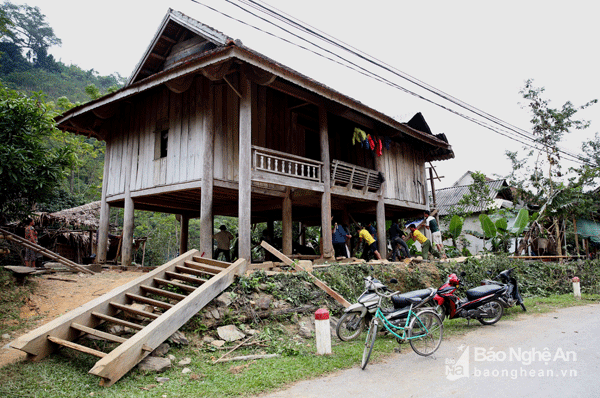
(218, 343)
(185, 361)
(208, 339)
(179, 338)
(230, 333)
(161, 350)
(264, 302)
(186, 370)
(305, 332)
(6, 336)
(155, 364)
(247, 330)
(171, 357)
(224, 300)
(162, 379)
(215, 313)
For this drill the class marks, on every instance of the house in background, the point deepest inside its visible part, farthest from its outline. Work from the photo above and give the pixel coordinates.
(500, 196)
(206, 126)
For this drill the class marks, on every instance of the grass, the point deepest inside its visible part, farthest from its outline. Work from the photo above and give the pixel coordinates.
(12, 298)
(65, 374)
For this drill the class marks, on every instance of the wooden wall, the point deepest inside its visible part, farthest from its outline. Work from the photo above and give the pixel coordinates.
(135, 129)
(404, 170)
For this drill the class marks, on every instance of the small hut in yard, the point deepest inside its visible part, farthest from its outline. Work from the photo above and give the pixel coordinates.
(206, 126)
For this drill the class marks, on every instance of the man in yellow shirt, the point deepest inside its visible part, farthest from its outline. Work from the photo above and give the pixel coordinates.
(371, 243)
(425, 243)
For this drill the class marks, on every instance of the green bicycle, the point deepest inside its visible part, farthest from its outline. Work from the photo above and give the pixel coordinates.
(423, 330)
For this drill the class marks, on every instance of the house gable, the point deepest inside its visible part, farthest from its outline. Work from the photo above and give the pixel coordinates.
(179, 38)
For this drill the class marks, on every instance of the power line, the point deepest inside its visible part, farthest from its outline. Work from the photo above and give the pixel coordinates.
(512, 130)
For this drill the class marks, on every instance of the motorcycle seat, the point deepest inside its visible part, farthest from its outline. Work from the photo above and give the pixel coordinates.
(405, 299)
(482, 291)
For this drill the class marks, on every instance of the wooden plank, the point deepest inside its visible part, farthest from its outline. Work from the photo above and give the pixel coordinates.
(98, 333)
(163, 293)
(193, 271)
(135, 311)
(78, 347)
(315, 280)
(35, 342)
(185, 278)
(148, 300)
(113, 366)
(182, 286)
(117, 321)
(209, 261)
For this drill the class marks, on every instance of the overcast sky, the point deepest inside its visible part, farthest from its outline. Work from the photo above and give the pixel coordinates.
(479, 52)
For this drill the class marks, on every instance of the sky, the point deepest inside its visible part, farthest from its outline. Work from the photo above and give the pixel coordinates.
(479, 52)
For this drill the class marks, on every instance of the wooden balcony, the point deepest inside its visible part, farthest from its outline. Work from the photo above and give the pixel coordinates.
(284, 164)
(354, 177)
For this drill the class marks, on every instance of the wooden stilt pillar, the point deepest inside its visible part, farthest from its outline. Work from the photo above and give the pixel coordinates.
(286, 223)
(326, 177)
(245, 169)
(380, 214)
(576, 235)
(185, 226)
(206, 198)
(102, 241)
(129, 211)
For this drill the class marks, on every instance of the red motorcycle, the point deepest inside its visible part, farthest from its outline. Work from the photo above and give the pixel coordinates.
(482, 303)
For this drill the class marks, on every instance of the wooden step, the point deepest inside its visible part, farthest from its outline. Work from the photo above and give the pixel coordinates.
(216, 263)
(182, 286)
(78, 347)
(209, 269)
(98, 333)
(135, 311)
(185, 278)
(163, 293)
(117, 321)
(148, 300)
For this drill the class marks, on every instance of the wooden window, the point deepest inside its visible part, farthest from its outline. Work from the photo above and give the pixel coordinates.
(161, 144)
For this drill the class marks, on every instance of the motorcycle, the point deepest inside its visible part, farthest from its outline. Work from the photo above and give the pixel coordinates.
(353, 320)
(512, 295)
(482, 303)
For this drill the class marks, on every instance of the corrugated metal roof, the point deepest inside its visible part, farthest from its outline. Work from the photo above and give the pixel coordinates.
(448, 197)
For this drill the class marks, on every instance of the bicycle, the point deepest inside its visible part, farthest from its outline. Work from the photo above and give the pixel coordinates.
(423, 330)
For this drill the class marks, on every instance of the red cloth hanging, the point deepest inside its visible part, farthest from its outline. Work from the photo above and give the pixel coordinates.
(379, 148)
(371, 142)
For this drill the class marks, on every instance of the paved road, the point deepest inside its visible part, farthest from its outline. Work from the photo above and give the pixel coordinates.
(549, 355)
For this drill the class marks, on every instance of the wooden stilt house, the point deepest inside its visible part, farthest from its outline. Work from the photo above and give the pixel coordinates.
(206, 126)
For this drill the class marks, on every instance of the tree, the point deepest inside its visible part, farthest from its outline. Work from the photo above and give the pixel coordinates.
(549, 125)
(29, 31)
(30, 170)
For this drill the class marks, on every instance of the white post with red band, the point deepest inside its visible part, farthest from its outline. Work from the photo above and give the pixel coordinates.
(576, 288)
(322, 332)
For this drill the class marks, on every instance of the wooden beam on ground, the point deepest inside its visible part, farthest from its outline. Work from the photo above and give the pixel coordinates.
(288, 261)
(98, 333)
(78, 347)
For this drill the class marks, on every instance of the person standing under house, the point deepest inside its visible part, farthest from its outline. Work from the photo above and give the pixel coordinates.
(396, 235)
(436, 236)
(31, 236)
(371, 243)
(425, 243)
(338, 238)
(223, 238)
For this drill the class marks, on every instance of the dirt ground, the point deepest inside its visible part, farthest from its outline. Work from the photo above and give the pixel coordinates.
(54, 297)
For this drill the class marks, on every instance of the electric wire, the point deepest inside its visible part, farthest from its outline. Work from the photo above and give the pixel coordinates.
(357, 68)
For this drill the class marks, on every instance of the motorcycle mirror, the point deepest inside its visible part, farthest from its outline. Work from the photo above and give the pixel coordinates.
(372, 269)
(393, 280)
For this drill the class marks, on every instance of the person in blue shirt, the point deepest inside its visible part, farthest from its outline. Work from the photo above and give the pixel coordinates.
(338, 237)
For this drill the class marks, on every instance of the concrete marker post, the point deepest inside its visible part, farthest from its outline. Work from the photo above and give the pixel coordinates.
(322, 332)
(576, 288)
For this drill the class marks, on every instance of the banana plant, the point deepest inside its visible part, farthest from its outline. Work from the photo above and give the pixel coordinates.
(498, 231)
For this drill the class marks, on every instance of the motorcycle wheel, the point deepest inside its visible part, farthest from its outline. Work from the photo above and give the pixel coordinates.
(369, 343)
(496, 308)
(425, 333)
(350, 325)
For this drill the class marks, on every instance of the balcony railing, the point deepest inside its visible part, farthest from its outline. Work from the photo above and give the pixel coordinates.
(282, 163)
(354, 177)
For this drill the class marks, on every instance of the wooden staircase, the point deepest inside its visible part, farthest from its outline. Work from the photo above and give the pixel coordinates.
(192, 281)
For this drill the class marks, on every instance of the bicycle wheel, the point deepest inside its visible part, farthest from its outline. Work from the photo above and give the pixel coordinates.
(350, 325)
(369, 343)
(495, 309)
(425, 333)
